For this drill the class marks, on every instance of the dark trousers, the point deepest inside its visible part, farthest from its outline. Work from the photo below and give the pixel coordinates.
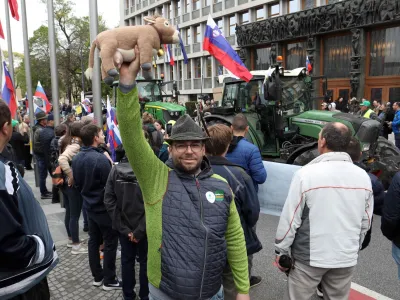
(85, 217)
(38, 292)
(28, 157)
(41, 163)
(397, 140)
(100, 229)
(129, 251)
(73, 207)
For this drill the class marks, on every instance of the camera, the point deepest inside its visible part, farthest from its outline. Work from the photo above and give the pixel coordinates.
(169, 129)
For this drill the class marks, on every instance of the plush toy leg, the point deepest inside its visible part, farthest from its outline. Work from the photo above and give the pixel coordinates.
(146, 71)
(107, 79)
(107, 57)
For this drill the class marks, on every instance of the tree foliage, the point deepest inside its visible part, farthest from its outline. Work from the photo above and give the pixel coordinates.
(72, 44)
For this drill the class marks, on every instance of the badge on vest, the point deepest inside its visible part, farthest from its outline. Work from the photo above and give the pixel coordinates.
(219, 195)
(210, 197)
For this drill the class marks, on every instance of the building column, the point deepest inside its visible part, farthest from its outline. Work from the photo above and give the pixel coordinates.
(283, 7)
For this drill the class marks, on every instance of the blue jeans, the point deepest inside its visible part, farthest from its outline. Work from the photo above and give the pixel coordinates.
(217, 296)
(73, 207)
(42, 166)
(129, 251)
(396, 256)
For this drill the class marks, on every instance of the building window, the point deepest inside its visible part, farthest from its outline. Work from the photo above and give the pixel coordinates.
(337, 54)
(161, 69)
(178, 10)
(274, 10)
(197, 67)
(171, 72)
(296, 55)
(294, 6)
(262, 59)
(196, 4)
(126, 4)
(188, 37)
(219, 68)
(189, 70)
(260, 14)
(197, 34)
(217, 1)
(220, 24)
(385, 52)
(208, 62)
(244, 18)
(232, 25)
(179, 77)
(207, 3)
(187, 6)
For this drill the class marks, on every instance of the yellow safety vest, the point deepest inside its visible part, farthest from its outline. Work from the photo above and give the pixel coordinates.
(368, 113)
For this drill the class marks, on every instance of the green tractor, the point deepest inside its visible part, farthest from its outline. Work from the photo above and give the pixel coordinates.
(151, 99)
(284, 126)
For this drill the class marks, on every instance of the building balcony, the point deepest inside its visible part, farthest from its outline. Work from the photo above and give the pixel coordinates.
(132, 9)
(187, 49)
(197, 83)
(186, 17)
(152, 1)
(217, 7)
(231, 39)
(207, 83)
(177, 20)
(145, 3)
(187, 84)
(242, 2)
(196, 47)
(206, 10)
(229, 4)
(138, 6)
(196, 14)
(126, 12)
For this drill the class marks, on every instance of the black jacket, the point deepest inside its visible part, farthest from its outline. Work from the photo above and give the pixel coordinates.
(246, 198)
(18, 142)
(46, 136)
(90, 169)
(124, 201)
(390, 225)
(38, 148)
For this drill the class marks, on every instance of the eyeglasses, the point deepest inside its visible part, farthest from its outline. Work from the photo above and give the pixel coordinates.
(195, 147)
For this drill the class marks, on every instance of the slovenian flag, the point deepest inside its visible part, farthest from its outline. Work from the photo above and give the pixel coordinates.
(41, 94)
(185, 58)
(169, 56)
(113, 134)
(308, 65)
(7, 89)
(216, 44)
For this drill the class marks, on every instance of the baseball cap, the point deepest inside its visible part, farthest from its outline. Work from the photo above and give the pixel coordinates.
(365, 103)
(14, 123)
(50, 118)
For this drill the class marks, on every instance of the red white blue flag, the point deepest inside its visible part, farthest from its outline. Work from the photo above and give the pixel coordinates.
(13, 4)
(169, 56)
(185, 58)
(215, 43)
(113, 134)
(2, 32)
(308, 65)
(41, 94)
(7, 88)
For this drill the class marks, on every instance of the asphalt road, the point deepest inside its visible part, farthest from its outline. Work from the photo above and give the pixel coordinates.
(376, 269)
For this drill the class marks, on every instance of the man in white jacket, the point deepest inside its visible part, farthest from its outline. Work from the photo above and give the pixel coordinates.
(324, 220)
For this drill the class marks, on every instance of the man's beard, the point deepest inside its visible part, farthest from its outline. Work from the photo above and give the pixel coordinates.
(188, 170)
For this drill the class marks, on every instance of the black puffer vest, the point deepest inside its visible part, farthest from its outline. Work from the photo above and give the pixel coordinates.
(195, 218)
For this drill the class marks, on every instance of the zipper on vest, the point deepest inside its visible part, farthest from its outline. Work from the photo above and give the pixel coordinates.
(205, 247)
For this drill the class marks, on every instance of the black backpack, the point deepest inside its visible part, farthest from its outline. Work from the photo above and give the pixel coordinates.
(56, 171)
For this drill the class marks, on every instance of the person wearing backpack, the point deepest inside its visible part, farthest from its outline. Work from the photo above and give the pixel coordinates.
(73, 201)
(124, 202)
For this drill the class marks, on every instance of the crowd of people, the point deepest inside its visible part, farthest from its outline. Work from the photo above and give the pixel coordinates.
(184, 205)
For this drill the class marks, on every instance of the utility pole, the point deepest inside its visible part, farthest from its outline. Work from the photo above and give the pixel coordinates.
(82, 69)
(96, 79)
(53, 63)
(9, 43)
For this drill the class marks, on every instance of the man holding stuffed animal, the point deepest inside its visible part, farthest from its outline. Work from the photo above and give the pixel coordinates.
(193, 226)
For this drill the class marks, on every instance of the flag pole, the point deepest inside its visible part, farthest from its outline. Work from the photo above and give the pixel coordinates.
(9, 42)
(96, 80)
(53, 63)
(28, 77)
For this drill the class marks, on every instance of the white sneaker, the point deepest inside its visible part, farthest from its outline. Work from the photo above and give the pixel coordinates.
(69, 244)
(97, 283)
(79, 249)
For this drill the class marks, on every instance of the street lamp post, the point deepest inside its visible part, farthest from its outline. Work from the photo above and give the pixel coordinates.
(82, 73)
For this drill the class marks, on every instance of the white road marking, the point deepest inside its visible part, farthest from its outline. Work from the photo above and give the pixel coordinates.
(368, 292)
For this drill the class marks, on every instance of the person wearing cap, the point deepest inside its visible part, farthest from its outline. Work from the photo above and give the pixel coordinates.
(366, 110)
(39, 151)
(193, 226)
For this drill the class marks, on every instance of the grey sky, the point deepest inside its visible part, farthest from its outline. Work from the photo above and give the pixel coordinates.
(37, 16)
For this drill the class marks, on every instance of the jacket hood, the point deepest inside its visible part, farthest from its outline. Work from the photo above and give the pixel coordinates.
(90, 148)
(124, 170)
(150, 127)
(234, 143)
(205, 167)
(221, 161)
(331, 156)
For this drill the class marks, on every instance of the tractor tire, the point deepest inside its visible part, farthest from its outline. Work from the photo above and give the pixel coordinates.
(305, 157)
(386, 149)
